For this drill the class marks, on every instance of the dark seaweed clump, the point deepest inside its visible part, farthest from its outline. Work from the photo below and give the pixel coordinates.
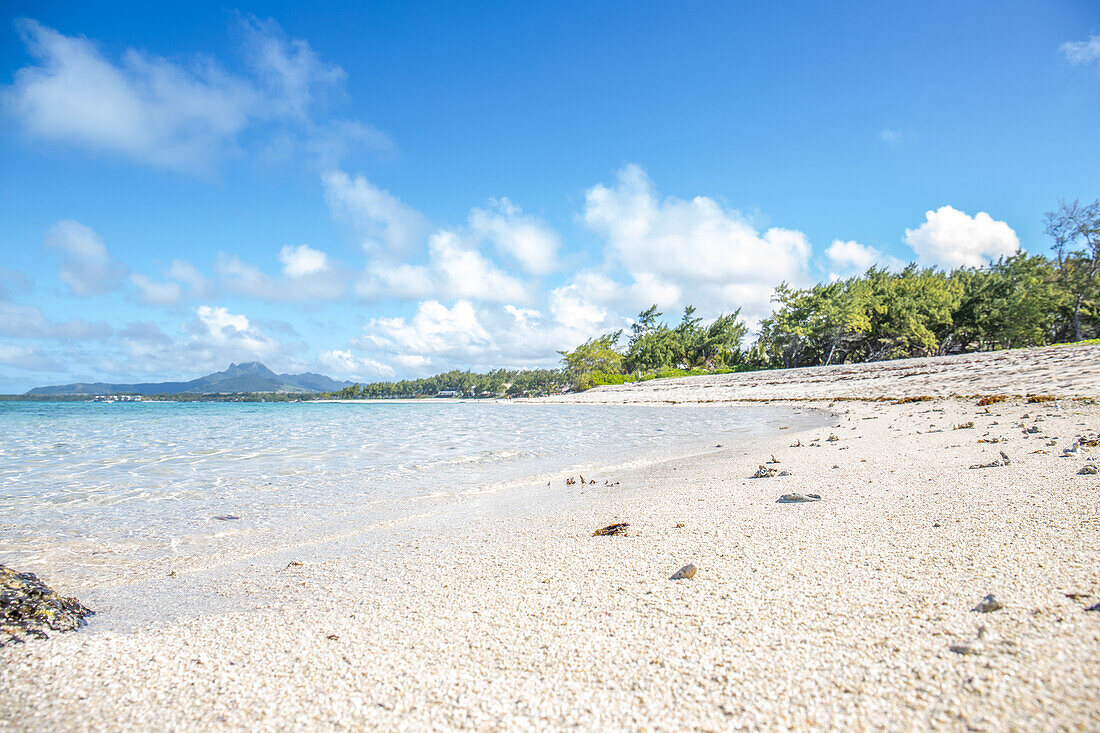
(29, 607)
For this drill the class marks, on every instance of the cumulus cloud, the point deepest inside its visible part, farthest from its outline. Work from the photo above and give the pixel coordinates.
(28, 358)
(525, 239)
(852, 258)
(28, 321)
(307, 276)
(86, 266)
(950, 238)
(675, 246)
(232, 336)
(455, 269)
(182, 281)
(180, 116)
(1082, 52)
(437, 338)
(302, 260)
(144, 107)
(343, 364)
(434, 330)
(384, 225)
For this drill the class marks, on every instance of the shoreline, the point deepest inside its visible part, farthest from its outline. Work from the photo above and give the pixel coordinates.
(833, 614)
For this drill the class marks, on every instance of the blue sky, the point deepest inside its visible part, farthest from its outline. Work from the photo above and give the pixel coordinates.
(397, 189)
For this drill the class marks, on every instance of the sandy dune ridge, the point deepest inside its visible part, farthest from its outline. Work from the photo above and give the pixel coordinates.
(1062, 371)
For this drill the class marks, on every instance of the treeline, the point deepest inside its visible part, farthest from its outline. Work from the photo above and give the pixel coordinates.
(1023, 300)
(497, 383)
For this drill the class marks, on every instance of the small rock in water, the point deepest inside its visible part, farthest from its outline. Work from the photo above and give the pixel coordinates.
(989, 604)
(28, 607)
(226, 517)
(1088, 470)
(797, 498)
(685, 573)
(611, 529)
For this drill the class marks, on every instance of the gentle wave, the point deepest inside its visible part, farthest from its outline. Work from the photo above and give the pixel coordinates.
(100, 493)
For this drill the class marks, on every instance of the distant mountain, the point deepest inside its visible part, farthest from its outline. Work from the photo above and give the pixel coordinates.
(250, 377)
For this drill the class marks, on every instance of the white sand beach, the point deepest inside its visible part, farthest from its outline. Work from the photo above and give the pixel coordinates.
(854, 612)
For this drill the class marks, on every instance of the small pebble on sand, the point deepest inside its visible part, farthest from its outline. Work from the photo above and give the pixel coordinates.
(797, 498)
(989, 604)
(685, 573)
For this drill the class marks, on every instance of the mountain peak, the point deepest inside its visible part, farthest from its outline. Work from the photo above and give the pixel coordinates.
(249, 376)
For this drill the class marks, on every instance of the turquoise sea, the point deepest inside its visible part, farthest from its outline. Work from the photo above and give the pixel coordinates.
(102, 492)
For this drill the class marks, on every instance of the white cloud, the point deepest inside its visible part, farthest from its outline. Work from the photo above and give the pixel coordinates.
(180, 116)
(27, 321)
(385, 226)
(12, 281)
(524, 316)
(455, 269)
(852, 258)
(302, 260)
(434, 330)
(186, 273)
(315, 279)
(524, 238)
(578, 314)
(145, 108)
(86, 266)
(289, 68)
(346, 365)
(950, 238)
(183, 282)
(333, 141)
(232, 335)
(28, 358)
(674, 247)
(1082, 52)
(157, 292)
(465, 336)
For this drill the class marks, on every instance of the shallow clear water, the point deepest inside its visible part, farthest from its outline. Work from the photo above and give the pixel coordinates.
(100, 492)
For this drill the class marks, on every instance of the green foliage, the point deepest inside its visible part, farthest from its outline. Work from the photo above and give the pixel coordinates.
(1075, 229)
(500, 382)
(594, 355)
(1016, 301)
(597, 379)
(655, 349)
